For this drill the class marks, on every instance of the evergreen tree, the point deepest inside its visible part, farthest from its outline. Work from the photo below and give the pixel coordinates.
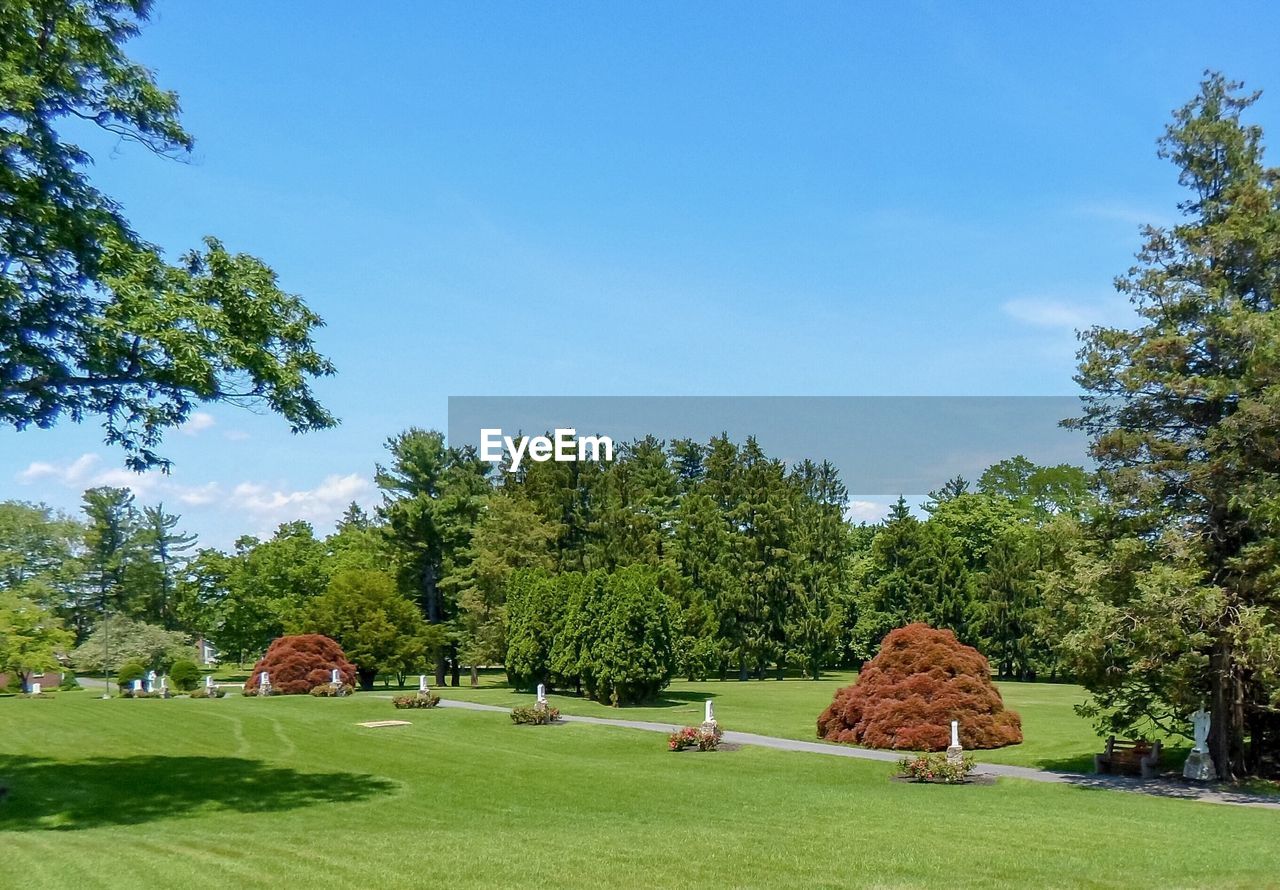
(1173, 599)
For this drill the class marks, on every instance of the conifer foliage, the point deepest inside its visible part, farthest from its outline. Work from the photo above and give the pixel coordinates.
(907, 696)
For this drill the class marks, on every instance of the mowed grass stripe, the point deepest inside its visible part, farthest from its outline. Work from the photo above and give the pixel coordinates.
(466, 799)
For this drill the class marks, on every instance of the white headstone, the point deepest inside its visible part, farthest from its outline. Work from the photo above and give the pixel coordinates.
(422, 684)
(337, 677)
(164, 683)
(208, 682)
(137, 685)
(35, 688)
(264, 683)
(955, 733)
(711, 714)
(542, 692)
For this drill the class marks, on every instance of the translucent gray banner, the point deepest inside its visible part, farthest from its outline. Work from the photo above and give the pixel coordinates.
(883, 445)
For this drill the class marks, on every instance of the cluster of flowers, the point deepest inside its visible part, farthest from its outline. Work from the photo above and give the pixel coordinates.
(935, 768)
(694, 737)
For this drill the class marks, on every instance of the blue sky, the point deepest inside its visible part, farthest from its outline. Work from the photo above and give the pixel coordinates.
(667, 199)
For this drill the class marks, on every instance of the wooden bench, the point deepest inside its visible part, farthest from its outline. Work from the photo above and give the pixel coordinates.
(1139, 756)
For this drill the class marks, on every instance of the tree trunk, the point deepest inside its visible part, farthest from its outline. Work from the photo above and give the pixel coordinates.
(366, 678)
(475, 675)
(1226, 710)
(455, 669)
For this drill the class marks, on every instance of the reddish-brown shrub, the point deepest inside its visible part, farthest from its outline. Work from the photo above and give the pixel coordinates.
(907, 696)
(298, 664)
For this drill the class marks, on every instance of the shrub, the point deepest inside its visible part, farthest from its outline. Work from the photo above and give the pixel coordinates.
(185, 675)
(694, 737)
(141, 693)
(203, 692)
(935, 768)
(298, 664)
(328, 690)
(68, 682)
(617, 639)
(907, 696)
(417, 700)
(534, 716)
(130, 671)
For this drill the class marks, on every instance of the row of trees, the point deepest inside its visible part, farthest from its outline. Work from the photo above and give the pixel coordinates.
(1159, 596)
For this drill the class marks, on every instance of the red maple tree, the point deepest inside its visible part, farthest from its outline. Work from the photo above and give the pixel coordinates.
(297, 664)
(907, 696)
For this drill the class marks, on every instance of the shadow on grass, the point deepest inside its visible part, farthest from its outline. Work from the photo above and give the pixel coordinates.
(59, 795)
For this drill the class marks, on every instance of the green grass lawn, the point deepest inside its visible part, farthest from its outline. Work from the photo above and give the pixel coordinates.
(1055, 736)
(247, 792)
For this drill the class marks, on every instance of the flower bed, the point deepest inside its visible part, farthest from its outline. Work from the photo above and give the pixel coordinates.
(935, 768)
(694, 737)
(417, 700)
(534, 716)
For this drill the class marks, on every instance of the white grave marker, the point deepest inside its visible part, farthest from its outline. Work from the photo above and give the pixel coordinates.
(423, 688)
(35, 688)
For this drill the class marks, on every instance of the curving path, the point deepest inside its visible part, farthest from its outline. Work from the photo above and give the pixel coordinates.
(1155, 787)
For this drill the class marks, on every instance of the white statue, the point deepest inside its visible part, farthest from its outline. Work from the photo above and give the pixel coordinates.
(542, 694)
(208, 682)
(955, 733)
(1199, 766)
(337, 677)
(423, 688)
(1200, 722)
(151, 681)
(711, 714)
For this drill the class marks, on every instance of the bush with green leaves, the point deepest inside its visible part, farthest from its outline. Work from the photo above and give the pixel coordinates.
(130, 671)
(185, 675)
(535, 617)
(417, 700)
(332, 690)
(205, 692)
(617, 639)
(534, 716)
(68, 682)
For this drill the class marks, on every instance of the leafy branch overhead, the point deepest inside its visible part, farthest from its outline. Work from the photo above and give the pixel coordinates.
(93, 320)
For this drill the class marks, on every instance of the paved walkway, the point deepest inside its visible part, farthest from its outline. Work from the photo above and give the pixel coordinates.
(1155, 787)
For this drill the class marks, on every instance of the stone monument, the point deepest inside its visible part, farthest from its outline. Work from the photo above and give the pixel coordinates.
(35, 688)
(336, 677)
(541, 703)
(151, 681)
(137, 685)
(709, 718)
(1199, 765)
(423, 688)
(264, 684)
(955, 753)
(208, 683)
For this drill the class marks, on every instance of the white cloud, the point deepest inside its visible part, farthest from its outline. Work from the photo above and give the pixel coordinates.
(866, 511)
(68, 474)
(200, 495)
(197, 423)
(321, 506)
(1047, 313)
(1071, 314)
